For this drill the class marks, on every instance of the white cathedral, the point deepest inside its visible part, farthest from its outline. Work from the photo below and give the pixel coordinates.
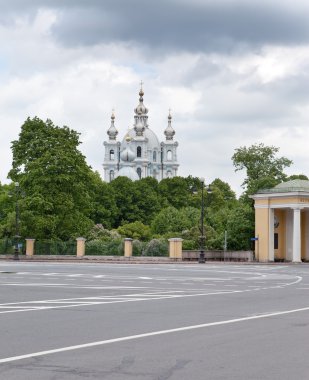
(140, 154)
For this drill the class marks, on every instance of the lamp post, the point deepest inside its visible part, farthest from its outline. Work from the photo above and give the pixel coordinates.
(17, 237)
(203, 236)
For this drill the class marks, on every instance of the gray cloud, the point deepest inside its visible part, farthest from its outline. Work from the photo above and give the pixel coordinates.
(162, 26)
(167, 25)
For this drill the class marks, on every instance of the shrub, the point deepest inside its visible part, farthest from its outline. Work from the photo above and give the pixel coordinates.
(98, 232)
(136, 230)
(138, 248)
(156, 247)
(101, 247)
(189, 245)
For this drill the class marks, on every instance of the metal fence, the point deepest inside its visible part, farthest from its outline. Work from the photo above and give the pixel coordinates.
(51, 247)
(6, 245)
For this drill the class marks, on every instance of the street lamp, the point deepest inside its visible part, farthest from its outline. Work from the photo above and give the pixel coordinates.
(16, 237)
(203, 236)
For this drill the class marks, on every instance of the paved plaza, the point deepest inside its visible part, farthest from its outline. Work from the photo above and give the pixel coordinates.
(153, 322)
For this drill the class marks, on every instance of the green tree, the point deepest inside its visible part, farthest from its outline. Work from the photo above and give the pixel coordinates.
(147, 200)
(136, 230)
(175, 192)
(7, 210)
(263, 168)
(170, 219)
(55, 178)
(240, 227)
(297, 176)
(124, 194)
(104, 209)
(221, 193)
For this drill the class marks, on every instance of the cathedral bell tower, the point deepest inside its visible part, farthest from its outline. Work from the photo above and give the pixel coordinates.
(112, 152)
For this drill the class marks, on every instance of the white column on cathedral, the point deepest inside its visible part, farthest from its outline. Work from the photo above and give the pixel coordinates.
(296, 236)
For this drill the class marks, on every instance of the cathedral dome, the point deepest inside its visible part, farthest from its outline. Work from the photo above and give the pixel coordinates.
(152, 140)
(169, 131)
(127, 155)
(112, 131)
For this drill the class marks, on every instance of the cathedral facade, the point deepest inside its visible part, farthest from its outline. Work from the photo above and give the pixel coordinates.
(140, 154)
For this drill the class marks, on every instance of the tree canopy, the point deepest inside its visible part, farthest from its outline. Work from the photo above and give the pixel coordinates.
(55, 179)
(263, 168)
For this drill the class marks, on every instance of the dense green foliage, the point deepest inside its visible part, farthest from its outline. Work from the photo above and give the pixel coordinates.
(263, 168)
(56, 181)
(61, 197)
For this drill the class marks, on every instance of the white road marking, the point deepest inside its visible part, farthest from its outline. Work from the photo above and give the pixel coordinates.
(75, 275)
(69, 286)
(302, 288)
(150, 334)
(140, 297)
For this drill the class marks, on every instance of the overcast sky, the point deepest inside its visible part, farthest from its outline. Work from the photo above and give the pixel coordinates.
(233, 72)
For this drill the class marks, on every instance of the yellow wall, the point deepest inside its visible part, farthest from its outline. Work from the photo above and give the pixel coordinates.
(261, 231)
(281, 230)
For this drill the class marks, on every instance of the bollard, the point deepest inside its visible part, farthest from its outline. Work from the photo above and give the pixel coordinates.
(128, 247)
(80, 248)
(175, 248)
(30, 247)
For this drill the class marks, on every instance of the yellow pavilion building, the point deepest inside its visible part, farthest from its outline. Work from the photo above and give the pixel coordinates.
(282, 222)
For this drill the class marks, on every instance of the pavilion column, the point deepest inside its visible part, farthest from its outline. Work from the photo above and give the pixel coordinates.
(289, 234)
(271, 250)
(307, 234)
(296, 236)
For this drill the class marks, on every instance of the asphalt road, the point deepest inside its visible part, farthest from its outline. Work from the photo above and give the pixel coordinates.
(154, 322)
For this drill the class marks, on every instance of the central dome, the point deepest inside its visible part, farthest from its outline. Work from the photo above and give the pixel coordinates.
(152, 139)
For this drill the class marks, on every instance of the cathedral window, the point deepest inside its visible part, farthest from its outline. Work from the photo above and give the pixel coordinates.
(139, 152)
(169, 155)
(169, 174)
(112, 154)
(139, 172)
(111, 175)
(154, 156)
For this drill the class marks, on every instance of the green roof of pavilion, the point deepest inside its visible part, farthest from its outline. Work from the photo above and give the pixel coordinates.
(296, 185)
